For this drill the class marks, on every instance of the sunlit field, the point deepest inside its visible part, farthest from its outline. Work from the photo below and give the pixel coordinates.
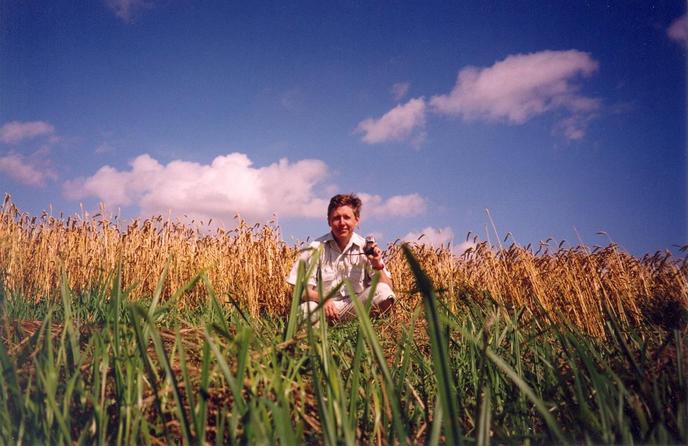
(154, 332)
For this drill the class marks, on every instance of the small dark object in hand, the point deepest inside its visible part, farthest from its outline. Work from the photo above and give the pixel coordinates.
(368, 248)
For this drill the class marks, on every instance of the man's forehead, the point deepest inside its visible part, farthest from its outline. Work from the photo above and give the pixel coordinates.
(344, 209)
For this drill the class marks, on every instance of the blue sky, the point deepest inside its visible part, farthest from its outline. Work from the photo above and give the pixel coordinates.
(558, 117)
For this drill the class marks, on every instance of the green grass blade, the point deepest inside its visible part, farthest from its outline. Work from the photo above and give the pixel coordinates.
(282, 422)
(528, 391)
(323, 404)
(215, 308)
(179, 406)
(202, 406)
(52, 404)
(152, 376)
(484, 421)
(188, 388)
(157, 293)
(374, 345)
(355, 377)
(186, 287)
(436, 428)
(305, 270)
(72, 347)
(14, 412)
(438, 343)
(295, 302)
(243, 340)
(234, 385)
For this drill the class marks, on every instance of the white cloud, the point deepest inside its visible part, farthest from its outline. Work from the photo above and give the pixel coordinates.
(678, 30)
(438, 237)
(230, 184)
(31, 171)
(399, 90)
(520, 87)
(513, 90)
(128, 9)
(397, 124)
(464, 246)
(16, 131)
(375, 206)
(431, 236)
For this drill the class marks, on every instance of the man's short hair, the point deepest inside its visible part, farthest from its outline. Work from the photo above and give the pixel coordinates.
(350, 200)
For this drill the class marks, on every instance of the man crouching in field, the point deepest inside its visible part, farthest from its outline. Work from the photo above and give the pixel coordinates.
(343, 257)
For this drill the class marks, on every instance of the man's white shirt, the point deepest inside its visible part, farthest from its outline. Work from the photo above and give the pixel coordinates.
(335, 265)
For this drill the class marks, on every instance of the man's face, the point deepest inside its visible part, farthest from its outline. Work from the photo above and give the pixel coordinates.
(342, 221)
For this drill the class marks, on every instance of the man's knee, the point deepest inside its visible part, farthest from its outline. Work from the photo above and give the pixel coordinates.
(383, 293)
(309, 308)
(383, 299)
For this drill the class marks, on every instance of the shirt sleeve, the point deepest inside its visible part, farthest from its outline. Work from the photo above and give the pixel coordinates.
(304, 256)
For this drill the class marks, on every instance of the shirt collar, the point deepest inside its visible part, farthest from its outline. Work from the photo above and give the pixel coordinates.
(356, 239)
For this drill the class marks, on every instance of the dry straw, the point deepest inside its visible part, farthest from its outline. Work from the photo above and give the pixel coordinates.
(249, 264)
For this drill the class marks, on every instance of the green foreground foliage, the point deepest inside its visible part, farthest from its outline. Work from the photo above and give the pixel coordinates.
(100, 369)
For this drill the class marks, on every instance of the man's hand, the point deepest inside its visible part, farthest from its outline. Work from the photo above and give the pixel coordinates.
(331, 311)
(376, 262)
(329, 308)
(375, 259)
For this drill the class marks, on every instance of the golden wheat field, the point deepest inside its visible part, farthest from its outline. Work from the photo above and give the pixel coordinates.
(501, 345)
(250, 262)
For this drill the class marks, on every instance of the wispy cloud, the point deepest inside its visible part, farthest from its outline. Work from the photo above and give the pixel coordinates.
(127, 10)
(395, 125)
(399, 90)
(16, 131)
(438, 237)
(520, 87)
(512, 90)
(229, 185)
(375, 206)
(104, 148)
(573, 127)
(678, 30)
(31, 171)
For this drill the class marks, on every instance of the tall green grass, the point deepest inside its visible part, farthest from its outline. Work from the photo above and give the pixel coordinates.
(103, 368)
